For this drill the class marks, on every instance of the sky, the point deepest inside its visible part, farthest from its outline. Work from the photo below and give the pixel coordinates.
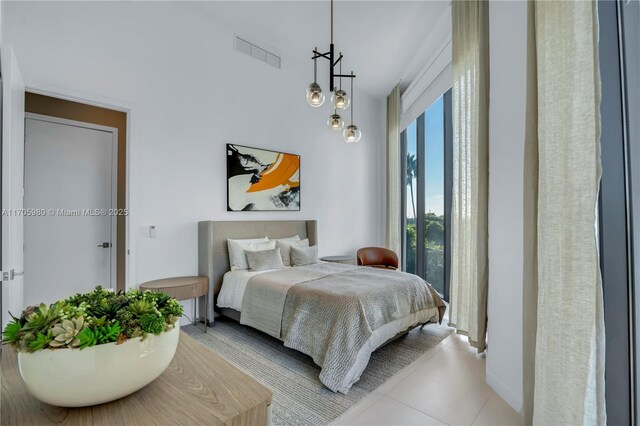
(434, 161)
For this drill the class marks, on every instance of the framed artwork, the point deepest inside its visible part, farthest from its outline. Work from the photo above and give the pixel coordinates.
(262, 180)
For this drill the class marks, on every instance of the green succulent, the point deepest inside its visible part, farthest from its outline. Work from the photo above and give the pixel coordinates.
(99, 322)
(141, 307)
(40, 342)
(11, 333)
(87, 338)
(66, 333)
(171, 308)
(129, 324)
(108, 310)
(108, 333)
(96, 317)
(41, 318)
(151, 323)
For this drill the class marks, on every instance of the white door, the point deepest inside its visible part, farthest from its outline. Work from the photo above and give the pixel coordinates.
(12, 184)
(70, 188)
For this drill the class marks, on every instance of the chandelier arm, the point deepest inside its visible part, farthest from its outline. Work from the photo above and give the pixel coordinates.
(315, 71)
(317, 54)
(331, 73)
(352, 98)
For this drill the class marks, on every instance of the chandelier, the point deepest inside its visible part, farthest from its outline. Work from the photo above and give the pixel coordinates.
(340, 99)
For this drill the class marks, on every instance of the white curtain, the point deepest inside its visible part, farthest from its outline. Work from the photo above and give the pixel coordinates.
(568, 383)
(470, 98)
(394, 186)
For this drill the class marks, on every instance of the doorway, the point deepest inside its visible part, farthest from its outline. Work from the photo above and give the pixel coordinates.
(75, 164)
(70, 186)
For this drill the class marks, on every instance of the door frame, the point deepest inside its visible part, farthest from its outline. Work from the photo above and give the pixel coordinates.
(114, 178)
(131, 166)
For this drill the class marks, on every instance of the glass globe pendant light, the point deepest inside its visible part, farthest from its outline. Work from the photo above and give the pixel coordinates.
(315, 97)
(339, 98)
(335, 122)
(352, 134)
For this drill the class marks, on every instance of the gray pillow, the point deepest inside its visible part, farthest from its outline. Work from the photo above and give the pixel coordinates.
(302, 256)
(264, 260)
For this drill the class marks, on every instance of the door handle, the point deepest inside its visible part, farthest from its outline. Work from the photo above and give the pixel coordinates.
(104, 245)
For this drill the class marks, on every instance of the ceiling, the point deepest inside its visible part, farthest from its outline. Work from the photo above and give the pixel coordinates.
(383, 42)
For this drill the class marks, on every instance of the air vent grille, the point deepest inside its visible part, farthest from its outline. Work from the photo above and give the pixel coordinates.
(257, 52)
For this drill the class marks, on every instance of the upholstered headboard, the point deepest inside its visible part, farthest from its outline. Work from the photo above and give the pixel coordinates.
(213, 255)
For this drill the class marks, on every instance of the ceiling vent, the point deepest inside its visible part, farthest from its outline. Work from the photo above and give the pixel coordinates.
(257, 52)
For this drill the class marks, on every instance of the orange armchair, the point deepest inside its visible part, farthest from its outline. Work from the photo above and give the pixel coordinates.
(377, 257)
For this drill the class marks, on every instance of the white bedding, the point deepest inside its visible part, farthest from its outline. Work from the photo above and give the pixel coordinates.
(234, 284)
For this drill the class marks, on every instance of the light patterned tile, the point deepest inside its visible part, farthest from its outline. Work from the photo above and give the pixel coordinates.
(359, 408)
(405, 372)
(496, 412)
(387, 411)
(450, 387)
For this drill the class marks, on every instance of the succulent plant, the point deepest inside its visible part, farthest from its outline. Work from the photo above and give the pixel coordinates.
(108, 310)
(141, 307)
(40, 342)
(109, 333)
(96, 317)
(11, 333)
(87, 338)
(151, 323)
(66, 333)
(40, 318)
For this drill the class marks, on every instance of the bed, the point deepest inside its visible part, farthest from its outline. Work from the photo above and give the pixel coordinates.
(337, 314)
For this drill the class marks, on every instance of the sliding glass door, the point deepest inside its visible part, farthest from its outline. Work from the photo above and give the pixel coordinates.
(426, 158)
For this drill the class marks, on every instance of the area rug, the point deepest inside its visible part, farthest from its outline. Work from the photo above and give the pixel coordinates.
(299, 398)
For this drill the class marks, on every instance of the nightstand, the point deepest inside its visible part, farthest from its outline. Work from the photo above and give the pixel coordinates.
(349, 260)
(182, 288)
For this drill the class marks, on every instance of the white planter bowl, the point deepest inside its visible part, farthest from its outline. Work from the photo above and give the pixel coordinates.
(101, 373)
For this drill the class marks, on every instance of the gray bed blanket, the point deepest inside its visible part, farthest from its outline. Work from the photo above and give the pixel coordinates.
(338, 314)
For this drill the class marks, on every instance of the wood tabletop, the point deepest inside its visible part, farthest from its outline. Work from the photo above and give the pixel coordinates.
(198, 387)
(182, 288)
(174, 282)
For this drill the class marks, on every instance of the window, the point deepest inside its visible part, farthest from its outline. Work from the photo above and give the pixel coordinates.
(426, 155)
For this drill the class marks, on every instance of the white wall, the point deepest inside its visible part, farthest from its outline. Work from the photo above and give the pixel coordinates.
(189, 93)
(508, 33)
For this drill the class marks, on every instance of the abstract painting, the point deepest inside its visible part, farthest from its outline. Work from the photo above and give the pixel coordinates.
(262, 180)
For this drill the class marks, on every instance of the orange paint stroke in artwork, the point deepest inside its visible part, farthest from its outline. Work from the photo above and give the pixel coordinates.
(278, 173)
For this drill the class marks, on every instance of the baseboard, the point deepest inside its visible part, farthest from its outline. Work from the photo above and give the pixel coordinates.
(514, 401)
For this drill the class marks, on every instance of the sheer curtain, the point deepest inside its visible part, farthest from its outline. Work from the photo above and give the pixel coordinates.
(394, 208)
(470, 98)
(563, 294)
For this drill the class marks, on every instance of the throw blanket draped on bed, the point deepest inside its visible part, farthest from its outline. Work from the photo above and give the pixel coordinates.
(338, 314)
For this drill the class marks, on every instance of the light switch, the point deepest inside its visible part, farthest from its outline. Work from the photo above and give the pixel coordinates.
(148, 231)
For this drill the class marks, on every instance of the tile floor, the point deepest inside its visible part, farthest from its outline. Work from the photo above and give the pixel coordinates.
(445, 386)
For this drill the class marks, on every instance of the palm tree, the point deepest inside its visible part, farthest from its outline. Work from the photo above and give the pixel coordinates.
(412, 167)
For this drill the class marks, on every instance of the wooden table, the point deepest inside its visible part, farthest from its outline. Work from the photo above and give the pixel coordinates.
(198, 387)
(182, 288)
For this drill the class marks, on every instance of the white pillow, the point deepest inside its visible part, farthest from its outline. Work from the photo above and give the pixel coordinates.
(303, 256)
(237, 258)
(294, 238)
(285, 249)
